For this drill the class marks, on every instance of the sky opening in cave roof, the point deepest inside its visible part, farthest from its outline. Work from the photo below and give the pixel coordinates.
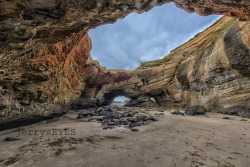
(144, 37)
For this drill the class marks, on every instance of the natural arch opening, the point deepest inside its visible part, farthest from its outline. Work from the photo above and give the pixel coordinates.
(120, 94)
(145, 37)
(120, 99)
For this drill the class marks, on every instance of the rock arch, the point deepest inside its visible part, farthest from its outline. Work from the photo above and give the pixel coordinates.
(109, 97)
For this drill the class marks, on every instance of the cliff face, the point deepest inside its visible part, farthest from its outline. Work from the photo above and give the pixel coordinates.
(42, 81)
(211, 70)
(45, 62)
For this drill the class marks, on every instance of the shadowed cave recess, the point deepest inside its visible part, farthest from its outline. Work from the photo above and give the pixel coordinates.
(46, 66)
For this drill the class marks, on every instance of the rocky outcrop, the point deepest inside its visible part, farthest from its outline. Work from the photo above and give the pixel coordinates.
(195, 110)
(89, 99)
(211, 69)
(45, 62)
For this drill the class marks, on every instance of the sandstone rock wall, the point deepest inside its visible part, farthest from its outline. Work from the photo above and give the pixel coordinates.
(210, 70)
(47, 79)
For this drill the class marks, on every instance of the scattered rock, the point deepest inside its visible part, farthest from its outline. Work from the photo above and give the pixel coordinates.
(85, 114)
(102, 113)
(243, 120)
(177, 113)
(99, 119)
(106, 128)
(151, 118)
(141, 117)
(124, 123)
(134, 124)
(159, 114)
(111, 123)
(133, 120)
(195, 110)
(134, 130)
(11, 139)
(226, 118)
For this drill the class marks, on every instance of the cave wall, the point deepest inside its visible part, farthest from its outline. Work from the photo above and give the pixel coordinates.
(47, 79)
(46, 66)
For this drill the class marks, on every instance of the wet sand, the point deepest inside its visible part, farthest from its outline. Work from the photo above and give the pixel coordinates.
(182, 141)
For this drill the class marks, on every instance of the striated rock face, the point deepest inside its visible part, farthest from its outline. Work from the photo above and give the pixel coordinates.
(46, 79)
(24, 23)
(45, 62)
(211, 70)
(50, 78)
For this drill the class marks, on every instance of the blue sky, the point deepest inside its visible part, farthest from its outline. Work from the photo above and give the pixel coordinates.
(145, 37)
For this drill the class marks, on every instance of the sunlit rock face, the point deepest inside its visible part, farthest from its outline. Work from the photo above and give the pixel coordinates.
(211, 70)
(45, 62)
(45, 79)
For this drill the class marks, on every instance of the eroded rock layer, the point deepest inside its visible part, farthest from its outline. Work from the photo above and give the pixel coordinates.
(42, 80)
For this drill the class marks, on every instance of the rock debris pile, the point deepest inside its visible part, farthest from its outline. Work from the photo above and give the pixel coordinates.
(118, 116)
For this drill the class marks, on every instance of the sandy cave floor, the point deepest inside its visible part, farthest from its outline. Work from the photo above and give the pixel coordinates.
(181, 141)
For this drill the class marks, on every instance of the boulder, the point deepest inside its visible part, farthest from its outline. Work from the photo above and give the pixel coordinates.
(85, 114)
(237, 110)
(195, 110)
